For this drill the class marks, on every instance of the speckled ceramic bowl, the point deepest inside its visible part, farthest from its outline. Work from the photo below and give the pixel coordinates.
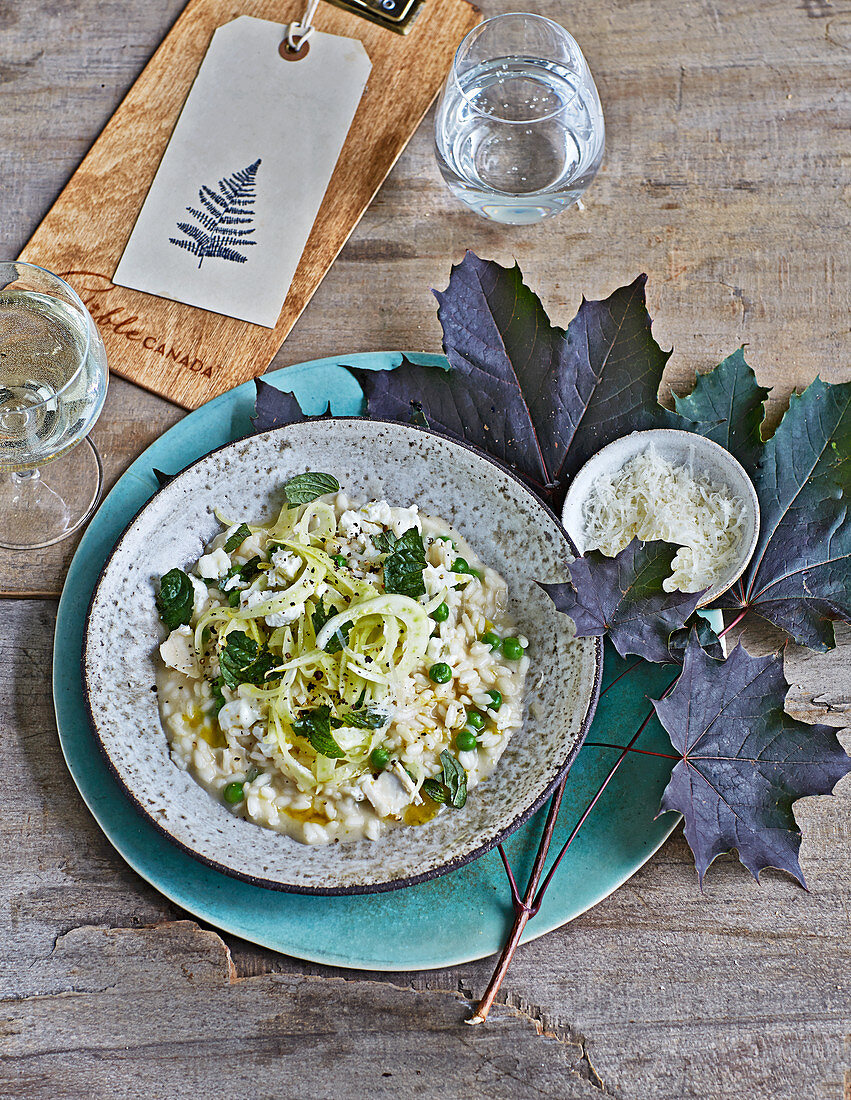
(507, 526)
(681, 448)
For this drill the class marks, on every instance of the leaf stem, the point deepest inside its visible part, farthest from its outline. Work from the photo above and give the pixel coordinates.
(635, 664)
(522, 908)
(516, 900)
(735, 622)
(531, 903)
(643, 752)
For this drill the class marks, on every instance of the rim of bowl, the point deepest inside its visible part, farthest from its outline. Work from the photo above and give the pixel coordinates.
(390, 884)
(710, 447)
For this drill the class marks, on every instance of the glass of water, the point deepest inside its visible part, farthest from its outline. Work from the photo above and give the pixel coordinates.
(53, 381)
(519, 128)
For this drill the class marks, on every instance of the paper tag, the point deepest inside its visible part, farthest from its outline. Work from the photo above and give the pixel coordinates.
(241, 182)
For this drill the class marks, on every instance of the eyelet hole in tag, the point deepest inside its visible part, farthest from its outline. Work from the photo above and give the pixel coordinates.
(289, 54)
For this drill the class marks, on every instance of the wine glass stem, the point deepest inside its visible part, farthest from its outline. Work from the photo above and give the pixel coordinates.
(21, 477)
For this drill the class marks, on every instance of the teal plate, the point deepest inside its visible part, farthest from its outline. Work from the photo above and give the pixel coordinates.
(453, 919)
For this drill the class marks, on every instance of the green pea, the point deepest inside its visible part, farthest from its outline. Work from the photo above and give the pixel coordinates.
(461, 565)
(512, 650)
(379, 758)
(440, 613)
(496, 699)
(440, 673)
(475, 720)
(233, 793)
(465, 740)
(233, 598)
(491, 639)
(340, 559)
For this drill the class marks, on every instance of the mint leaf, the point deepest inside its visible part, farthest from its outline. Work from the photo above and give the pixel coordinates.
(451, 786)
(435, 791)
(304, 488)
(242, 661)
(176, 599)
(246, 572)
(384, 542)
(218, 697)
(455, 780)
(403, 569)
(363, 719)
(338, 639)
(315, 726)
(237, 538)
(320, 617)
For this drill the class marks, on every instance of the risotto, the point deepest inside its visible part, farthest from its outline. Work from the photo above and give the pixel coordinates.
(341, 671)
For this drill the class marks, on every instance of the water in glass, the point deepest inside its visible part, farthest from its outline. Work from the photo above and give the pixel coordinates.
(519, 137)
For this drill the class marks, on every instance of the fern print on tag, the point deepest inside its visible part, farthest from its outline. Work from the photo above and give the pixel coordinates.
(270, 133)
(223, 225)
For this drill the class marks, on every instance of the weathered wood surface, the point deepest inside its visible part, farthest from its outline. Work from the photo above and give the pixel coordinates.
(725, 179)
(170, 1000)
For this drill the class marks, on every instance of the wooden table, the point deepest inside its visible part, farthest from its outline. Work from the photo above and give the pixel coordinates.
(726, 180)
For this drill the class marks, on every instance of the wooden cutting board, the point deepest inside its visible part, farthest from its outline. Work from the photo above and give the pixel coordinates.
(187, 354)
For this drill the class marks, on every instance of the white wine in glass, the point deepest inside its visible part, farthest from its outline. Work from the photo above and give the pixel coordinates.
(53, 381)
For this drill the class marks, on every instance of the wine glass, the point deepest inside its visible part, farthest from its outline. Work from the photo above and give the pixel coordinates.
(53, 381)
(519, 130)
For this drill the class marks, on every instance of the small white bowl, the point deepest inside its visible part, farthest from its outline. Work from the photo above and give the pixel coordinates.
(681, 448)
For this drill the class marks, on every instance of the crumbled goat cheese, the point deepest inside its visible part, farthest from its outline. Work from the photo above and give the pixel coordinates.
(202, 595)
(405, 519)
(252, 597)
(351, 524)
(238, 713)
(214, 565)
(438, 577)
(286, 567)
(387, 794)
(285, 617)
(378, 511)
(178, 652)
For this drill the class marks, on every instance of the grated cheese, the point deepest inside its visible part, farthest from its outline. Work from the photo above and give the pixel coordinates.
(651, 498)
